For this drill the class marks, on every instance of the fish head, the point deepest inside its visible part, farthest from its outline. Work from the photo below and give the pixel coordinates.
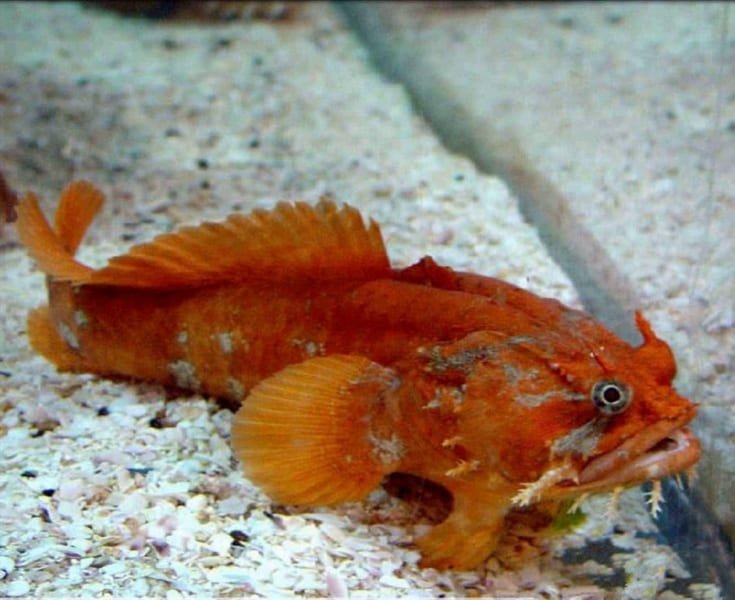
(641, 430)
(576, 412)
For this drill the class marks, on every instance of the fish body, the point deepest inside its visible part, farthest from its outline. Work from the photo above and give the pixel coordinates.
(348, 369)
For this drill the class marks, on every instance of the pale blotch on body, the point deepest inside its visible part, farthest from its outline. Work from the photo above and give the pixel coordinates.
(225, 341)
(68, 336)
(184, 374)
(310, 347)
(513, 375)
(435, 402)
(80, 318)
(534, 400)
(583, 440)
(453, 396)
(236, 389)
(388, 451)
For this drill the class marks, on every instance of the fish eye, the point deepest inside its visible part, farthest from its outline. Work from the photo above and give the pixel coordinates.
(610, 396)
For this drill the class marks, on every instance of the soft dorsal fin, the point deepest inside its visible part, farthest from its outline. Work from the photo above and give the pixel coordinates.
(294, 242)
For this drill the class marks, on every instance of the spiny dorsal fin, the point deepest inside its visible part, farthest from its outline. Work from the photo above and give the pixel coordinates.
(305, 434)
(292, 243)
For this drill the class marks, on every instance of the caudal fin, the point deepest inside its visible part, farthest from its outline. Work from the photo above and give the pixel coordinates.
(78, 206)
(53, 249)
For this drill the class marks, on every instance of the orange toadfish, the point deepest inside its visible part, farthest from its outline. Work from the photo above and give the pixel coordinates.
(350, 370)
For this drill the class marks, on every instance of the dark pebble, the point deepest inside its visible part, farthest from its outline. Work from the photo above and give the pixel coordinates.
(139, 470)
(239, 538)
(170, 44)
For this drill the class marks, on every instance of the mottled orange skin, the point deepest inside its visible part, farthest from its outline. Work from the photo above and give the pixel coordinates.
(137, 333)
(491, 383)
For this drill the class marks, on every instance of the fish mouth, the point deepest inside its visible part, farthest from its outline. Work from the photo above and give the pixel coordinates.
(658, 451)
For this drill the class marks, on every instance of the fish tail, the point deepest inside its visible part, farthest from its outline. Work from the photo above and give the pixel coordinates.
(311, 433)
(53, 248)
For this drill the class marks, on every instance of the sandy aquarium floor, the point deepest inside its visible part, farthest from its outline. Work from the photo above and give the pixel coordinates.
(126, 489)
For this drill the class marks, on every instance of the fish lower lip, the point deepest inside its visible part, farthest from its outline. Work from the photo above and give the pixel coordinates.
(650, 455)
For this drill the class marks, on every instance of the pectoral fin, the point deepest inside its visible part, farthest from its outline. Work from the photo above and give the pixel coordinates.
(306, 435)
